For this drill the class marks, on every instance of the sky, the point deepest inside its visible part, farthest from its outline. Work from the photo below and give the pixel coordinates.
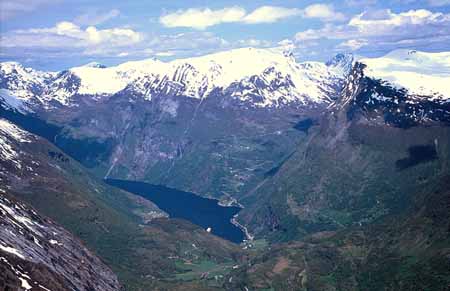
(58, 34)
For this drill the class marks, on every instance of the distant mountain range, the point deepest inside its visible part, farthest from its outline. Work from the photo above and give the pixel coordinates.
(272, 75)
(333, 163)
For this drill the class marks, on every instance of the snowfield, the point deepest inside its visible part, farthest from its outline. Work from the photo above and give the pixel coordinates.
(423, 74)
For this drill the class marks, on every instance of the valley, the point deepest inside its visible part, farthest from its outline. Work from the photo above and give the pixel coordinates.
(337, 170)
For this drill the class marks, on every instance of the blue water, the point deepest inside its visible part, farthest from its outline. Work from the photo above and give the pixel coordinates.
(180, 204)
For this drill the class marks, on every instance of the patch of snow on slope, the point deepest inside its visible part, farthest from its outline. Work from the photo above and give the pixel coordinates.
(20, 219)
(12, 250)
(25, 284)
(13, 131)
(27, 236)
(9, 134)
(10, 101)
(421, 73)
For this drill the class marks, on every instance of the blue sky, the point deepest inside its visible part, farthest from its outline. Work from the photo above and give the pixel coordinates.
(57, 34)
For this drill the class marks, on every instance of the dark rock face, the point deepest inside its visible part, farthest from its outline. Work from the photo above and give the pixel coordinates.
(36, 253)
(376, 98)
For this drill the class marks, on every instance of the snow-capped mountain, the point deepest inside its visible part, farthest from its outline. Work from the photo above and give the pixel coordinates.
(256, 77)
(421, 73)
(403, 89)
(272, 74)
(19, 85)
(198, 77)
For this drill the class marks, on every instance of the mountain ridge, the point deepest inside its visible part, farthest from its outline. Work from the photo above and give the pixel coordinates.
(272, 74)
(192, 77)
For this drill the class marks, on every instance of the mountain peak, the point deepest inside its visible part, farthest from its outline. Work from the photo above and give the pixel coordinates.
(12, 68)
(342, 61)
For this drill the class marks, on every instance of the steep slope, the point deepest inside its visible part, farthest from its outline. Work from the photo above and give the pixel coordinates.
(357, 164)
(350, 174)
(35, 253)
(129, 233)
(362, 204)
(382, 102)
(407, 251)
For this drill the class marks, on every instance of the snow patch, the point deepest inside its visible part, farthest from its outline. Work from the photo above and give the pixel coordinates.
(25, 284)
(13, 251)
(10, 134)
(13, 131)
(10, 101)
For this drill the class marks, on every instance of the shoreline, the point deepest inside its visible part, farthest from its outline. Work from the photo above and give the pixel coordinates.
(242, 227)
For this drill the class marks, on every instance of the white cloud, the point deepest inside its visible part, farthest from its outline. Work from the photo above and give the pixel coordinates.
(68, 39)
(66, 33)
(420, 23)
(287, 44)
(384, 29)
(270, 14)
(328, 31)
(186, 41)
(323, 11)
(204, 18)
(386, 22)
(353, 44)
(95, 17)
